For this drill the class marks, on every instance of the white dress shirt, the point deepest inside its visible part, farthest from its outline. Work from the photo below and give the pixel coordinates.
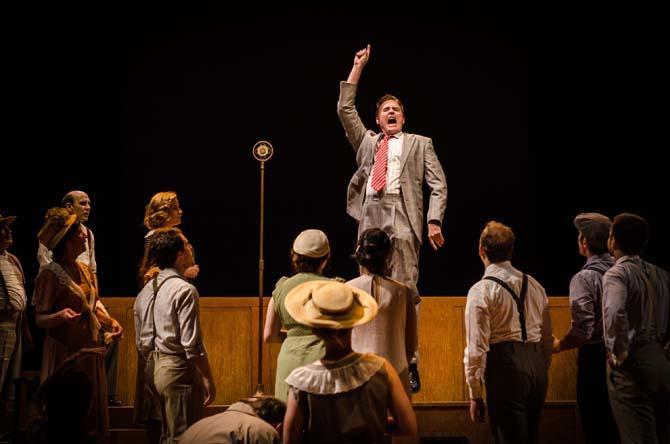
(491, 317)
(392, 168)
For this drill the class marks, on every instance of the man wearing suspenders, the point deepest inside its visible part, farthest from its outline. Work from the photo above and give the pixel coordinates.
(169, 337)
(508, 342)
(586, 331)
(636, 308)
(78, 202)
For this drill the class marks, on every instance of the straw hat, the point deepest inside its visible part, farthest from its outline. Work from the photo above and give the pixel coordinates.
(57, 221)
(330, 304)
(7, 219)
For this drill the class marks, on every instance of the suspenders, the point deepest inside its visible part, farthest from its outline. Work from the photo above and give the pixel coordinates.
(520, 300)
(153, 303)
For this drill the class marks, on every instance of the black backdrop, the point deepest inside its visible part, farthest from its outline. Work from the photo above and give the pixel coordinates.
(123, 102)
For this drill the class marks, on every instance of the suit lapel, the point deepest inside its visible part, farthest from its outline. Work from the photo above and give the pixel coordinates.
(407, 146)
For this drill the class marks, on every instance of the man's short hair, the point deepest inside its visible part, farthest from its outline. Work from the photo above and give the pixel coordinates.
(270, 410)
(497, 240)
(165, 246)
(386, 98)
(631, 233)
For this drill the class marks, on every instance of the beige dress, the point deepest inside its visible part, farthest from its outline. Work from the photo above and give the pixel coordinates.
(54, 291)
(392, 333)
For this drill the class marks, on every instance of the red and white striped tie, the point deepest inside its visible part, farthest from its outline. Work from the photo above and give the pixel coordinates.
(381, 163)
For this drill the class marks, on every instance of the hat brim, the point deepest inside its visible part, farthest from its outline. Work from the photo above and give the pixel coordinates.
(8, 220)
(54, 240)
(299, 305)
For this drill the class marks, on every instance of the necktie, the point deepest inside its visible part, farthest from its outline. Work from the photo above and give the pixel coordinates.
(381, 163)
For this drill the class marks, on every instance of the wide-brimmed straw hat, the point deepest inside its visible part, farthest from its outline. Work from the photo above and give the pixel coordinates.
(330, 304)
(57, 221)
(7, 219)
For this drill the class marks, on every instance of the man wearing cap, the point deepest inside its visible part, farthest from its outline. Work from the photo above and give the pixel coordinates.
(78, 202)
(586, 331)
(169, 338)
(386, 192)
(13, 325)
(636, 308)
(508, 342)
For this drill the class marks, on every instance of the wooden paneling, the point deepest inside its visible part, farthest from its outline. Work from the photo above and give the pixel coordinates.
(230, 329)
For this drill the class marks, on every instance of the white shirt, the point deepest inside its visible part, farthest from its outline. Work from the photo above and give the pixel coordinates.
(491, 317)
(392, 169)
(14, 283)
(175, 313)
(45, 256)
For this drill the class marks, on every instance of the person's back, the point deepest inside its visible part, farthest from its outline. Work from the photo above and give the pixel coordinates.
(347, 400)
(239, 424)
(392, 334)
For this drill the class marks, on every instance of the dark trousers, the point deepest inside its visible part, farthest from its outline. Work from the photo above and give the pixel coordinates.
(592, 397)
(516, 385)
(111, 360)
(640, 395)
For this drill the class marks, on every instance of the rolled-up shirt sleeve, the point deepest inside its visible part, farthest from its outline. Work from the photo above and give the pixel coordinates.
(189, 323)
(582, 307)
(478, 332)
(616, 325)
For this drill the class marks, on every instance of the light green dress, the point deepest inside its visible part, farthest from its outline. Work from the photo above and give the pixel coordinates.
(301, 346)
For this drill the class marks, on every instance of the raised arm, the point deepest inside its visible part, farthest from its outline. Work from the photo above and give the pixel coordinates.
(346, 105)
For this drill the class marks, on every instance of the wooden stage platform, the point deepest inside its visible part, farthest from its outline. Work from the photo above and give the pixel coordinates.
(230, 326)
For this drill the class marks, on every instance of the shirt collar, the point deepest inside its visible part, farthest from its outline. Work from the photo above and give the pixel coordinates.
(599, 258)
(398, 136)
(498, 267)
(626, 257)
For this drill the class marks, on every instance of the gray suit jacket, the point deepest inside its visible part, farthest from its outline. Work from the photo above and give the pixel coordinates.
(418, 159)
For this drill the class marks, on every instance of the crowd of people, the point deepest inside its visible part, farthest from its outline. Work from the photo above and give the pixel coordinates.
(348, 363)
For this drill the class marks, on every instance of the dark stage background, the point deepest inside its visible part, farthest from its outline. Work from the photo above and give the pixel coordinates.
(127, 101)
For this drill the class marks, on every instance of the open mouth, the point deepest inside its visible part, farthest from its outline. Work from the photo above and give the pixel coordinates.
(392, 120)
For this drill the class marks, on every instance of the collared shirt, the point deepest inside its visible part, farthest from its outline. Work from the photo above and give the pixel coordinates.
(45, 256)
(175, 313)
(491, 317)
(625, 303)
(14, 283)
(239, 424)
(586, 303)
(392, 169)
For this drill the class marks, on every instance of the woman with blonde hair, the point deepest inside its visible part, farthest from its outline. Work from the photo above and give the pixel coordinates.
(162, 212)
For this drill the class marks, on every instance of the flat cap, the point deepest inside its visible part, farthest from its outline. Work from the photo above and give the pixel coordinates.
(595, 227)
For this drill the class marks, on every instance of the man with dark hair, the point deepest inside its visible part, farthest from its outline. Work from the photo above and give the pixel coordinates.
(77, 202)
(586, 331)
(13, 326)
(508, 342)
(253, 421)
(169, 338)
(636, 304)
(386, 192)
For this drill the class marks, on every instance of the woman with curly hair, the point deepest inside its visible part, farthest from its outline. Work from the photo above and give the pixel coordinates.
(393, 333)
(162, 212)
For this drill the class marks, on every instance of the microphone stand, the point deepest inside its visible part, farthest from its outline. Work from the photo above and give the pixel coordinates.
(262, 151)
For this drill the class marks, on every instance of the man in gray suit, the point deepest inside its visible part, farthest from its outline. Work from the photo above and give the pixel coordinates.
(386, 191)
